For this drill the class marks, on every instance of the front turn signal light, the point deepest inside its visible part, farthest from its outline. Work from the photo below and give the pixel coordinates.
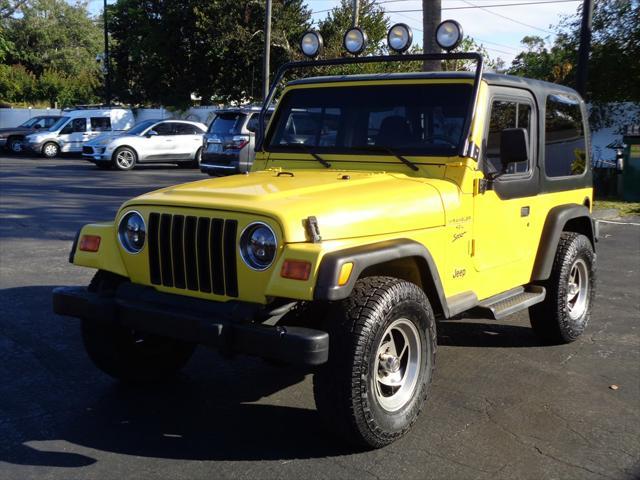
(89, 243)
(296, 269)
(345, 273)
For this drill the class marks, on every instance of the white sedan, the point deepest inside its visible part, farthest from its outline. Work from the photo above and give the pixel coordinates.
(160, 141)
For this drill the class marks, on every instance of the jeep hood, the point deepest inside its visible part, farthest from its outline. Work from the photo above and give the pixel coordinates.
(345, 203)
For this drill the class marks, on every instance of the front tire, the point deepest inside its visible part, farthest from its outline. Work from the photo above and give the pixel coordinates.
(50, 150)
(15, 145)
(127, 354)
(564, 314)
(125, 158)
(381, 359)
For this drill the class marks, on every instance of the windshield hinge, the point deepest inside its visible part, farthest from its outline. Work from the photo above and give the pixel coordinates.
(471, 150)
(481, 185)
(312, 229)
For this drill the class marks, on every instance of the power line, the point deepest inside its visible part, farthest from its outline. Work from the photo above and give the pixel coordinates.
(511, 19)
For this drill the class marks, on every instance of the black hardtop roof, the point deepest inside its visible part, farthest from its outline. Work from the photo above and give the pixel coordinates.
(498, 79)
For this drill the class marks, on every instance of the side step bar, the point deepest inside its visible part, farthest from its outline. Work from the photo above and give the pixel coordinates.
(509, 302)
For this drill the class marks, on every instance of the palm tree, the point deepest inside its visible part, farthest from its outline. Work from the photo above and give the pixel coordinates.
(431, 18)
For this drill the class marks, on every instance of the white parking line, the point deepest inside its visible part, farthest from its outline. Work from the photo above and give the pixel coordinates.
(619, 223)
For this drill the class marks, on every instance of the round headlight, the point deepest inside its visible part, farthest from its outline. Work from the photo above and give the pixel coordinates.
(311, 44)
(132, 232)
(449, 35)
(258, 245)
(355, 41)
(400, 37)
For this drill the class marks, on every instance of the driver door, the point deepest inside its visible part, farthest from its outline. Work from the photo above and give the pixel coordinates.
(502, 211)
(161, 146)
(73, 135)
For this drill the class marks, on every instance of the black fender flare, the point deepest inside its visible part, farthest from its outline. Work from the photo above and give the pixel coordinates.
(365, 256)
(554, 225)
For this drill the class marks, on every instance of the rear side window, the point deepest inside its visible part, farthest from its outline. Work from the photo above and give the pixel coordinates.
(565, 144)
(186, 129)
(226, 123)
(100, 124)
(252, 124)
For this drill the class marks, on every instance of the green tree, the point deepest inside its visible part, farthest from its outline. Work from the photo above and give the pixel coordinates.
(614, 66)
(166, 51)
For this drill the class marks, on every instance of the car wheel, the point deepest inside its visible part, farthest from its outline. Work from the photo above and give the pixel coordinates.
(125, 158)
(50, 150)
(127, 354)
(564, 314)
(381, 359)
(15, 145)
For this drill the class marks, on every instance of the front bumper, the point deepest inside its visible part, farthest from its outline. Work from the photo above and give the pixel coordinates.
(3, 142)
(95, 154)
(33, 147)
(227, 326)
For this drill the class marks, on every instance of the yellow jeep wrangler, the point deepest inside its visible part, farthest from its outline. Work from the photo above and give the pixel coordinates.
(377, 204)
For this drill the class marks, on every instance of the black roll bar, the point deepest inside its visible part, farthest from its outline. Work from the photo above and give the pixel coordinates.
(463, 149)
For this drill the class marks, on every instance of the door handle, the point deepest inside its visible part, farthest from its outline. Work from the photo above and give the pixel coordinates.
(524, 211)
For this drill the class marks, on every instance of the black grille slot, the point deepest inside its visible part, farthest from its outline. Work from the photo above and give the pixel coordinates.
(195, 253)
(230, 274)
(154, 254)
(87, 149)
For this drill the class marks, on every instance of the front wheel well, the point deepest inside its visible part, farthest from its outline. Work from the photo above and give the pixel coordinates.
(412, 269)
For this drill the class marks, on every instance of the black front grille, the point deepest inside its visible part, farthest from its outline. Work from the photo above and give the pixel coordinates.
(87, 150)
(194, 253)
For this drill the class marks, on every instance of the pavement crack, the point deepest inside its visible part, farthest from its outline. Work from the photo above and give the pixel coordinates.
(569, 464)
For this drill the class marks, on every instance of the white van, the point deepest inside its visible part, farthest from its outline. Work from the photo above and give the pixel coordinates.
(75, 127)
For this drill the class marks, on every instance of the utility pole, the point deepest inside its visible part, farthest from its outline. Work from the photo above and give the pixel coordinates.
(356, 13)
(431, 18)
(267, 51)
(106, 60)
(585, 47)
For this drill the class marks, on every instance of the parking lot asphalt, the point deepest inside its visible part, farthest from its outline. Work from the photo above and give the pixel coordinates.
(501, 407)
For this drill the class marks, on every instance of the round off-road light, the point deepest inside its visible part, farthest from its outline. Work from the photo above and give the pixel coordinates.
(400, 37)
(132, 232)
(311, 44)
(258, 245)
(449, 35)
(355, 41)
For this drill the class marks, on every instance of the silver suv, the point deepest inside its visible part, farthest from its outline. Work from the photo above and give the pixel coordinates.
(229, 144)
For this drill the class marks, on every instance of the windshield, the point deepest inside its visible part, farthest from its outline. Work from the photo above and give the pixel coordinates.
(138, 128)
(424, 119)
(56, 126)
(226, 123)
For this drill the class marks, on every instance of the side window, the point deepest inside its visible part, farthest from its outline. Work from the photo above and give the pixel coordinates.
(506, 114)
(100, 124)
(185, 129)
(252, 124)
(75, 125)
(564, 141)
(165, 128)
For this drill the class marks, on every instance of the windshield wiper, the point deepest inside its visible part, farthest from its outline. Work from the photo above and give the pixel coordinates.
(380, 148)
(306, 149)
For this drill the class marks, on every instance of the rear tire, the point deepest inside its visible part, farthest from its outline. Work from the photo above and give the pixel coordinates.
(564, 314)
(381, 359)
(126, 354)
(50, 150)
(125, 158)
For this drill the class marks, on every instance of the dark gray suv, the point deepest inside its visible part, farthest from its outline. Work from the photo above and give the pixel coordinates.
(229, 144)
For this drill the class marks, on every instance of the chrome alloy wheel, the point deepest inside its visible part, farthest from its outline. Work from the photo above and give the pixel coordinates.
(124, 159)
(397, 365)
(578, 289)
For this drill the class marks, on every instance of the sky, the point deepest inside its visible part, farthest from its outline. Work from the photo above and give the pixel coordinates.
(500, 36)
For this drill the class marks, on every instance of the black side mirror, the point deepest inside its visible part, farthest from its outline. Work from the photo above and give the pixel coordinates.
(151, 133)
(37, 126)
(514, 146)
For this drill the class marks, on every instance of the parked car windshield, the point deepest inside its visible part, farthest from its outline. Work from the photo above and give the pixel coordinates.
(226, 122)
(56, 126)
(140, 127)
(44, 122)
(418, 119)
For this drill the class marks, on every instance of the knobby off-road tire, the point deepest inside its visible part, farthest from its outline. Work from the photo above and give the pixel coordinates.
(352, 390)
(126, 354)
(564, 313)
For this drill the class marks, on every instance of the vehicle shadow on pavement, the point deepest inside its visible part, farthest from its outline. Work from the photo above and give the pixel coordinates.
(466, 333)
(54, 404)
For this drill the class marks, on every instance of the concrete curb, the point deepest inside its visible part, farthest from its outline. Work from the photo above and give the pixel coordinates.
(605, 214)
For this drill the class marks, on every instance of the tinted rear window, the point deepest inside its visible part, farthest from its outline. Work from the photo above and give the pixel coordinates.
(226, 123)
